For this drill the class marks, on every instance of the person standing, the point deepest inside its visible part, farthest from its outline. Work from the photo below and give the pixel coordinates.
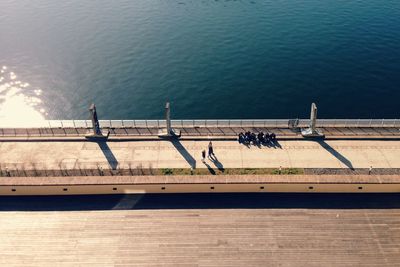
(203, 156)
(210, 150)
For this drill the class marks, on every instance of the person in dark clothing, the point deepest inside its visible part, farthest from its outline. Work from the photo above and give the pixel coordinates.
(260, 137)
(267, 136)
(253, 138)
(210, 150)
(203, 156)
(241, 138)
(247, 138)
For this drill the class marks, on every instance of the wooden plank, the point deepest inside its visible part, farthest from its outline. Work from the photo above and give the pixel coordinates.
(202, 237)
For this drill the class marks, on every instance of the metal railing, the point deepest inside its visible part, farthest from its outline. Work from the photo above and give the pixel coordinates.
(279, 123)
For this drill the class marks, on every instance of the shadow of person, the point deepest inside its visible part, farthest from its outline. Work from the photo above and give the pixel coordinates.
(276, 144)
(217, 163)
(211, 170)
(112, 161)
(335, 153)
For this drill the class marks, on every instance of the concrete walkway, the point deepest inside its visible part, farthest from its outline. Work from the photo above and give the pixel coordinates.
(184, 154)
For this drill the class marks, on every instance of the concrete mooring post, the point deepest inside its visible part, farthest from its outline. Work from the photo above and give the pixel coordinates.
(312, 131)
(168, 132)
(96, 131)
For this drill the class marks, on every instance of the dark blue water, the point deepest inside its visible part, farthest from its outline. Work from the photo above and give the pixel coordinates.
(211, 59)
(202, 201)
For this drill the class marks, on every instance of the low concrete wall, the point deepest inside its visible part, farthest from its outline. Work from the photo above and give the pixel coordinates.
(195, 188)
(84, 185)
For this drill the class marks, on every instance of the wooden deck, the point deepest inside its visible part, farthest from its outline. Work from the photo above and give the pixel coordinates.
(333, 236)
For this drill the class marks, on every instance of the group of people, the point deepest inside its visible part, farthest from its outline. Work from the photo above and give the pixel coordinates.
(248, 138)
(211, 154)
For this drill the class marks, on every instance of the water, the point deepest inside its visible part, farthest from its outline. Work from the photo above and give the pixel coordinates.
(211, 59)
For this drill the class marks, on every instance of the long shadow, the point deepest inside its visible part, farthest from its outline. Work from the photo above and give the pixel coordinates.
(210, 169)
(217, 163)
(202, 201)
(276, 144)
(112, 161)
(336, 154)
(185, 154)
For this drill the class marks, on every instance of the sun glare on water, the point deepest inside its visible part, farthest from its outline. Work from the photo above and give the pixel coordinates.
(20, 105)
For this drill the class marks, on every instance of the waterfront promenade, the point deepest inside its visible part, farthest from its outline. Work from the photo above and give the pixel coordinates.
(344, 154)
(124, 228)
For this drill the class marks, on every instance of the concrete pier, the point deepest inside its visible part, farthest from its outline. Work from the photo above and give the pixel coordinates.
(67, 222)
(21, 158)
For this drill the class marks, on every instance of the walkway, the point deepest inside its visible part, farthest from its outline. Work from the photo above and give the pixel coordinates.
(184, 154)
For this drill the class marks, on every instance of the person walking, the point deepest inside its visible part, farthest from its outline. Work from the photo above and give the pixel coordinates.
(210, 150)
(203, 156)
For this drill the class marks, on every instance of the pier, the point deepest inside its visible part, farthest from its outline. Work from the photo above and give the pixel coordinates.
(120, 193)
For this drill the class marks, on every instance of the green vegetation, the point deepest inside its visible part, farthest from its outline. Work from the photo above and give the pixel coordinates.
(231, 171)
